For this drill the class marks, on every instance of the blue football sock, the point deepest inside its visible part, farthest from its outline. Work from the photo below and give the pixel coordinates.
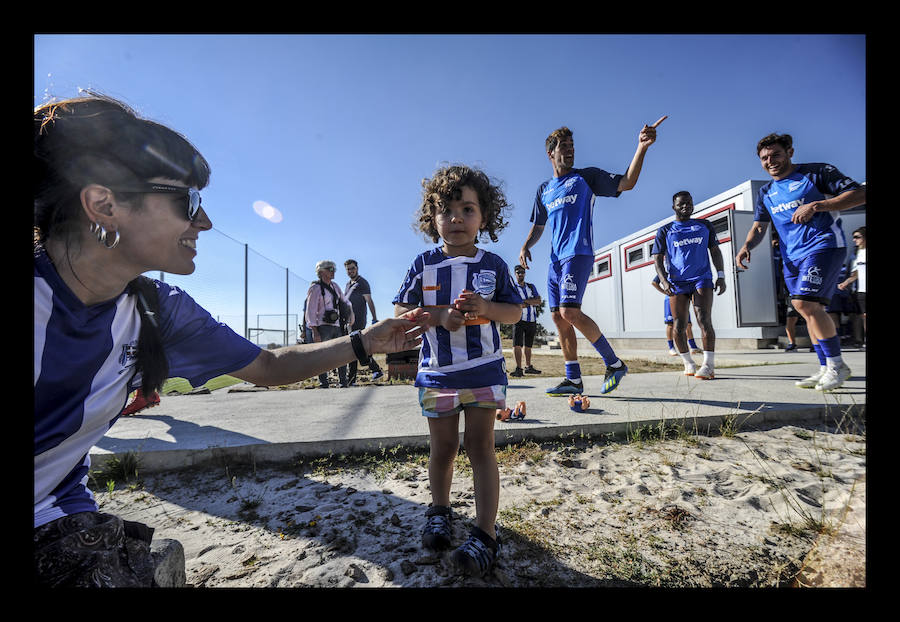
(609, 357)
(820, 353)
(831, 350)
(692, 344)
(573, 371)
(671, 344)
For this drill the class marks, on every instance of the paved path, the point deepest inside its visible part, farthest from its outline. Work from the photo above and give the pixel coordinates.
(277, 425)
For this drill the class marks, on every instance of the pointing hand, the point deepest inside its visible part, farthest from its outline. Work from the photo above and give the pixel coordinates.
(648, 133)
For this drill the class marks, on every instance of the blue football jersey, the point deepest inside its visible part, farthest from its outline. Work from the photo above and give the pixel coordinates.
(777, 201)
(84, 360)
(685, 245)
(565, 203)
(470, 356)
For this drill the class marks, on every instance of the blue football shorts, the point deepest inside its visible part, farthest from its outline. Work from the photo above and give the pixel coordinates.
(688, 287)
(567, 280)
(667, 312)
(814, 277)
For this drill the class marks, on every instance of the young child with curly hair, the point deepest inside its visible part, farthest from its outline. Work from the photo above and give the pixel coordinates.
(467, 291)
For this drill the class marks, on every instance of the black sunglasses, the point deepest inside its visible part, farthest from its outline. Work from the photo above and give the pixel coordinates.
(192, 194)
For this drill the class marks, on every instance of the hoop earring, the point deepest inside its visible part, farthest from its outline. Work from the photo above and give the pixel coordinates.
(101, 233)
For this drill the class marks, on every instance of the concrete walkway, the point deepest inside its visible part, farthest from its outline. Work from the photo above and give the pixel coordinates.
(259, 425)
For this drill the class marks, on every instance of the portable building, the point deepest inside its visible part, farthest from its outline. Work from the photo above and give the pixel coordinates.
(629, 311)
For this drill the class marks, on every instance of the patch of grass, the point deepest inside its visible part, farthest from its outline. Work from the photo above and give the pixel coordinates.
(623, 559)
(525, 521)
(399, 461)
(248, 504)
(808, 527)
(731, 423)
(406, 462)
(662, 431)
(529, 452)
(729, 427)
(182, 386)
(117, 469)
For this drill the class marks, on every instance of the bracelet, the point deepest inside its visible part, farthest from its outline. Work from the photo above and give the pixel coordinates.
(358, 348)
(721, 274)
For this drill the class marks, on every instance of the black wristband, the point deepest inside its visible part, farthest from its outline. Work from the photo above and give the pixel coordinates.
(358, 348)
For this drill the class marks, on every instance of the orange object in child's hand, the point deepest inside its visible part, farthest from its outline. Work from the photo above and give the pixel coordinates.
(477, 320)
(469, 321)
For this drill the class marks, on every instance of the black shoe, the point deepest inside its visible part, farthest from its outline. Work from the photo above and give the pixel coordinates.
(478, 554)
(791, 347)
(517, 373)
(531, 370)
(566, 387)
(437, 532)
(377, 374)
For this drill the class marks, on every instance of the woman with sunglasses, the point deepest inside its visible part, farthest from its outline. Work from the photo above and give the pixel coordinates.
(116, 196)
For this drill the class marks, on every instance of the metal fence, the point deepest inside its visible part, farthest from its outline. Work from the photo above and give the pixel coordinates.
(242, 288)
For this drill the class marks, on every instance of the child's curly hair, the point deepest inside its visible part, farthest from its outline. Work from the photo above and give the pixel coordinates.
(446, 185)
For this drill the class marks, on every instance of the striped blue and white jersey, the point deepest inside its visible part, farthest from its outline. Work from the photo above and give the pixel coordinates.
(470, 356)
(526, 291)
(84, 359)
(777, 201)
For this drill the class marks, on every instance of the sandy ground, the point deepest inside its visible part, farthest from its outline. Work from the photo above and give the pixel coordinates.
(778, 507)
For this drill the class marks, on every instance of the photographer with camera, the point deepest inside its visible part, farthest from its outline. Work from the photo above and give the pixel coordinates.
(328, 313)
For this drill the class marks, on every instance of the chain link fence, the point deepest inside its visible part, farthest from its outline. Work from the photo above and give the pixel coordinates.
(244, 289)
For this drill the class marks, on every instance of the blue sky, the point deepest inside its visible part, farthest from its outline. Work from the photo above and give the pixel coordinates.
(337, 131)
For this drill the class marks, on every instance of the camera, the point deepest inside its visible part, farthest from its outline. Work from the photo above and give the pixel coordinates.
(330, 316)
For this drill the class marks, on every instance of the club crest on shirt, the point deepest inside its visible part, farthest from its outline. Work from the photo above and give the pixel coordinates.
(128, 355)
(484, 283)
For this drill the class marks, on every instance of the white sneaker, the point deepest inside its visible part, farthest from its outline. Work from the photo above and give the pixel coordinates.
(696, 351)
(705, 373)
(812, 381)
(673, 352)
(833, 378)
(690, 370)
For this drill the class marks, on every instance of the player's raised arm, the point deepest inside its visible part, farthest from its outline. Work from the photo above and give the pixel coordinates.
(646, 138)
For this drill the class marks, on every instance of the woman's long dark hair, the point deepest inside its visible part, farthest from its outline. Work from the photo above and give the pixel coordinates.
(97, 139)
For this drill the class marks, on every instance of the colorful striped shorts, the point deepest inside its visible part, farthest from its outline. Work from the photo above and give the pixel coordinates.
(445, 402)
